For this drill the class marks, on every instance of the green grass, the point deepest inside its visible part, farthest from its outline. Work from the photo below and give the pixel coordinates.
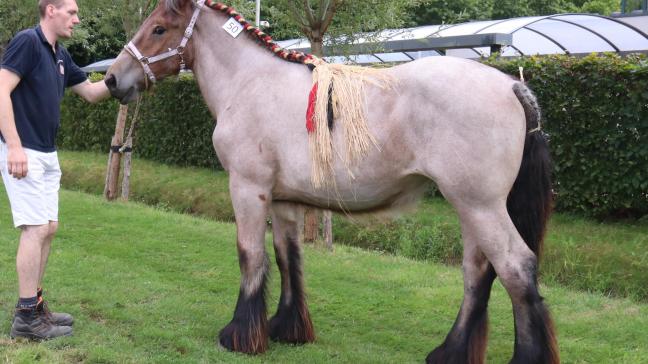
(147, 285)
(609, 258)
(606, 257)
(192, 190)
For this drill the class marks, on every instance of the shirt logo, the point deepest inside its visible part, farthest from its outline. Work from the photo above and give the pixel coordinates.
(61, 68)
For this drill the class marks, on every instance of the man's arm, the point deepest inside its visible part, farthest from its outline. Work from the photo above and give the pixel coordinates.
(16, 157)
(92, 91)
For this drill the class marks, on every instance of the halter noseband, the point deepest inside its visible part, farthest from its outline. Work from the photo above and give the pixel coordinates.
(179, 50)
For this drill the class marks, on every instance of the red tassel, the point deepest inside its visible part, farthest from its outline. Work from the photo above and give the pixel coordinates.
(310, 112)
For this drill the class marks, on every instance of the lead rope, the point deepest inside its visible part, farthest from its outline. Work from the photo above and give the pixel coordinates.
(128, 145)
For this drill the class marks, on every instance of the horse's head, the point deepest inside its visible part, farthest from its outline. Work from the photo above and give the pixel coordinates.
(160, 48)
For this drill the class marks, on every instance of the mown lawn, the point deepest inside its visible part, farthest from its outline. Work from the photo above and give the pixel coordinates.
(606, 257)
(146, 285)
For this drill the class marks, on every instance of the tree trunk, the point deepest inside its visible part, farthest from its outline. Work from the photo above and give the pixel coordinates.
(317, 47)
(114, 157)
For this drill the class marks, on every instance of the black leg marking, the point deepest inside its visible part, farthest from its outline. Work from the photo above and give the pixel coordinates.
(248, 330)
(535, 341)
(466, 343)
(292, 323)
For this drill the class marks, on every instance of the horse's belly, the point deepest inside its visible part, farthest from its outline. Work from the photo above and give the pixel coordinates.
(359, 196)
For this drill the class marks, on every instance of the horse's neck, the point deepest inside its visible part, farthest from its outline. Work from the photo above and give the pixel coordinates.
(227, 68)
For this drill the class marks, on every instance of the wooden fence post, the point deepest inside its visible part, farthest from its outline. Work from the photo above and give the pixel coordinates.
(128, 147)
(327, 229)
(114, 157)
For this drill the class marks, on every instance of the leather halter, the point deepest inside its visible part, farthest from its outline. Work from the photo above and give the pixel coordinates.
(179, 50)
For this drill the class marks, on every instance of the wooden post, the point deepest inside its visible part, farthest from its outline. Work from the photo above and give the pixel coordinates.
(114, 158)
(327, 229)
(311, 225)
(127, 168)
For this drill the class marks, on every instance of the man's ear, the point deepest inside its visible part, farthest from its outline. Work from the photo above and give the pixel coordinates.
(49, 10)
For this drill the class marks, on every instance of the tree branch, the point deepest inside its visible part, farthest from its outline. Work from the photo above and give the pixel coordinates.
(328, 16)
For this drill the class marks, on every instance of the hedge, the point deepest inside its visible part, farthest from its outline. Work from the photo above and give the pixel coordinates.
(595, 112)
(175, 125)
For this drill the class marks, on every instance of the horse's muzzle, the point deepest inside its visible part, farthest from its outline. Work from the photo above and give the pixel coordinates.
(124, 96)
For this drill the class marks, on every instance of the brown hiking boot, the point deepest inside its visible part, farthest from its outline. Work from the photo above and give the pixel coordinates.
(34, 325)
(57, 318)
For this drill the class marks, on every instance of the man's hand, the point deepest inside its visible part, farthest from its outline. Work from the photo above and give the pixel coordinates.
(17, 162)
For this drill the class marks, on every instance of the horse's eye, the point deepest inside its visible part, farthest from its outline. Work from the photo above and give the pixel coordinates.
(159, 30)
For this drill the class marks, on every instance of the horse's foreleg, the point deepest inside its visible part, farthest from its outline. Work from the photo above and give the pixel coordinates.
(248, 330)
(466, 342)
(292, 322)
(516, 266)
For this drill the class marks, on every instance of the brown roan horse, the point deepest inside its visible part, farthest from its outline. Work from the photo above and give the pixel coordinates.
(470, 128)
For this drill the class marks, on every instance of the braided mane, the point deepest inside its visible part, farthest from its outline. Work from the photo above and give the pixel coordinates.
(257, 34)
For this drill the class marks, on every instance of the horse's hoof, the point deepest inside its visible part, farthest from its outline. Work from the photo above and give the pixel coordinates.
(291, 330)
(243, 339)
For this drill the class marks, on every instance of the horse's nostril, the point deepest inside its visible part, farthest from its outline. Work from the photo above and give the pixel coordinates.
(111, 81)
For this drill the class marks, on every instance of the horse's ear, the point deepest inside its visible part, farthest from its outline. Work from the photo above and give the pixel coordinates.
(177, 5)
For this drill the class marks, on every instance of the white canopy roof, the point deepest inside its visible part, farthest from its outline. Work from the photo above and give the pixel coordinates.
(552, 34)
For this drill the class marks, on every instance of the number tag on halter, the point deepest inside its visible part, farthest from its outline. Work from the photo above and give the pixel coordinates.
(233, 27)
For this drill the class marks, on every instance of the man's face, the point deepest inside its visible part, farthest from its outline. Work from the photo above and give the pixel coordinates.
(65, 18)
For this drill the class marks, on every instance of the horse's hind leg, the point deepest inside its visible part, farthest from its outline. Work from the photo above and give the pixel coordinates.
(292, 322)
(466, 342)
(248, 330)
(516, 265)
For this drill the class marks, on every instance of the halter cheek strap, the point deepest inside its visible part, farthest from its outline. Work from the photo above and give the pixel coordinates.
(179, 50)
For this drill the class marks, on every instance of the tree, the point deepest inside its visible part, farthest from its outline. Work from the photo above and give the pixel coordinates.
(15, 15)
(450, 11)
(603, 7)
(339, 22)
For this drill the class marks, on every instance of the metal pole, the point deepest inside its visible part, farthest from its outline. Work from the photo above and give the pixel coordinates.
(258, 13)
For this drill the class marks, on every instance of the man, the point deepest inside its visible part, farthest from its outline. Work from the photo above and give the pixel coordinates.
(33, 75)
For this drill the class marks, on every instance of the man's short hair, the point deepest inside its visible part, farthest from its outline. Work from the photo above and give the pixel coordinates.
(42, 5)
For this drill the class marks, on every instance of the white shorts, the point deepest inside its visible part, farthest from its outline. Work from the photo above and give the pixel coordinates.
(34, 198)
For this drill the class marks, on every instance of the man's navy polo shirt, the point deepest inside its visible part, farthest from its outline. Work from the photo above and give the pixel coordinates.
(44, 75)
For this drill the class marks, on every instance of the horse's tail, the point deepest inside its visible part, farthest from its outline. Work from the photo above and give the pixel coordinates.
(530, 201)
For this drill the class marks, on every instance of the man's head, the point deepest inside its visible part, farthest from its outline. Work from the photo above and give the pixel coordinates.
(60, 16)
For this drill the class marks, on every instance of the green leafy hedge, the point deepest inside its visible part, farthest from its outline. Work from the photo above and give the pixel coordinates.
(175, 125)
(595, 112)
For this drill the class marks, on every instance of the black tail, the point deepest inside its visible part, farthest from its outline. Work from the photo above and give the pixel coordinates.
(530, 201)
